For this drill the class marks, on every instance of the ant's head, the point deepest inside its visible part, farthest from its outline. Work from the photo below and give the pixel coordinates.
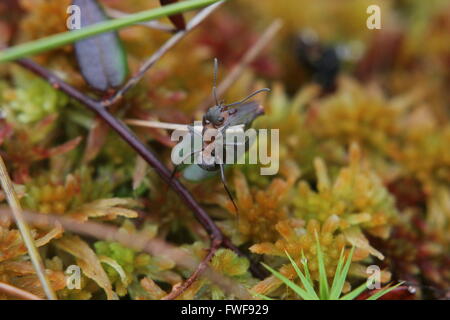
(214, 116)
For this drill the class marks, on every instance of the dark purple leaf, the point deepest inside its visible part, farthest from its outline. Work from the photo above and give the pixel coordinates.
(102, 58)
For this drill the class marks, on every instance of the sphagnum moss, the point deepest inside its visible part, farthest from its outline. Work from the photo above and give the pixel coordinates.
(260, 209)
(398, 117)
(356, 195)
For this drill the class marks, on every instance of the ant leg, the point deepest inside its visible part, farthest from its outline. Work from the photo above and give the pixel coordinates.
(222, 176)
(174, 171)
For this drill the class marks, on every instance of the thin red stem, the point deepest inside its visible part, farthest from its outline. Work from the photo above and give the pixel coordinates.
(194, 276)
(16, 292)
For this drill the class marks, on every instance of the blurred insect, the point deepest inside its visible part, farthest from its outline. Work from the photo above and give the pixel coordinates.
(220, 117)
(323, 62)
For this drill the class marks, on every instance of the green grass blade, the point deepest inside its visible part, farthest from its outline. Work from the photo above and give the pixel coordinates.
(307, 284)
(323, 281)
(305, 267)
(383, 292)
(354, 293)
(33, 252)
(64, 38)
(337, 287)
(299, 291)
(261, 296)
(334, 294)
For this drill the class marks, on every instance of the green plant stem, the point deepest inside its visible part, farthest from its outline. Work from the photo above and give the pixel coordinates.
(64, 38)
(24, 230)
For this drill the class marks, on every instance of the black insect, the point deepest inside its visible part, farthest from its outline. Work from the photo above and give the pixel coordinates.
(221, 117)
(321, 61)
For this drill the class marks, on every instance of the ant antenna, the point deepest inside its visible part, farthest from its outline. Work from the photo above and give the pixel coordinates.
(216, 67)
(251, 95)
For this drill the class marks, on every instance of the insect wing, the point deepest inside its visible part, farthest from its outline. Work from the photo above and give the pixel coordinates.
(244, 114)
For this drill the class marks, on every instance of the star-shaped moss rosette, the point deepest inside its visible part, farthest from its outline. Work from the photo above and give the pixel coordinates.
(357, 113)
(79, 196)
(297, 239)
(126, 267)
(356, 195)
(288, 115)
(226, 263)
(260, 208)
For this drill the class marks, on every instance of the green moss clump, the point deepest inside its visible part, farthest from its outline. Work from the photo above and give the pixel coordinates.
(31, 99)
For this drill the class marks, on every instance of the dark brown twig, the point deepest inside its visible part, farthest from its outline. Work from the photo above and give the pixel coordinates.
(194, 276)
(16, 292)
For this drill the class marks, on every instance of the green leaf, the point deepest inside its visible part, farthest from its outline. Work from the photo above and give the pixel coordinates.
(304, 262)
(261, 296)
(301, 293)
(338, 281)
(306, 281)
(323, 281)
(382, 292)
(334, 293)
(102, 59)
(341, 275)
(64, 38)
(354, 293)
